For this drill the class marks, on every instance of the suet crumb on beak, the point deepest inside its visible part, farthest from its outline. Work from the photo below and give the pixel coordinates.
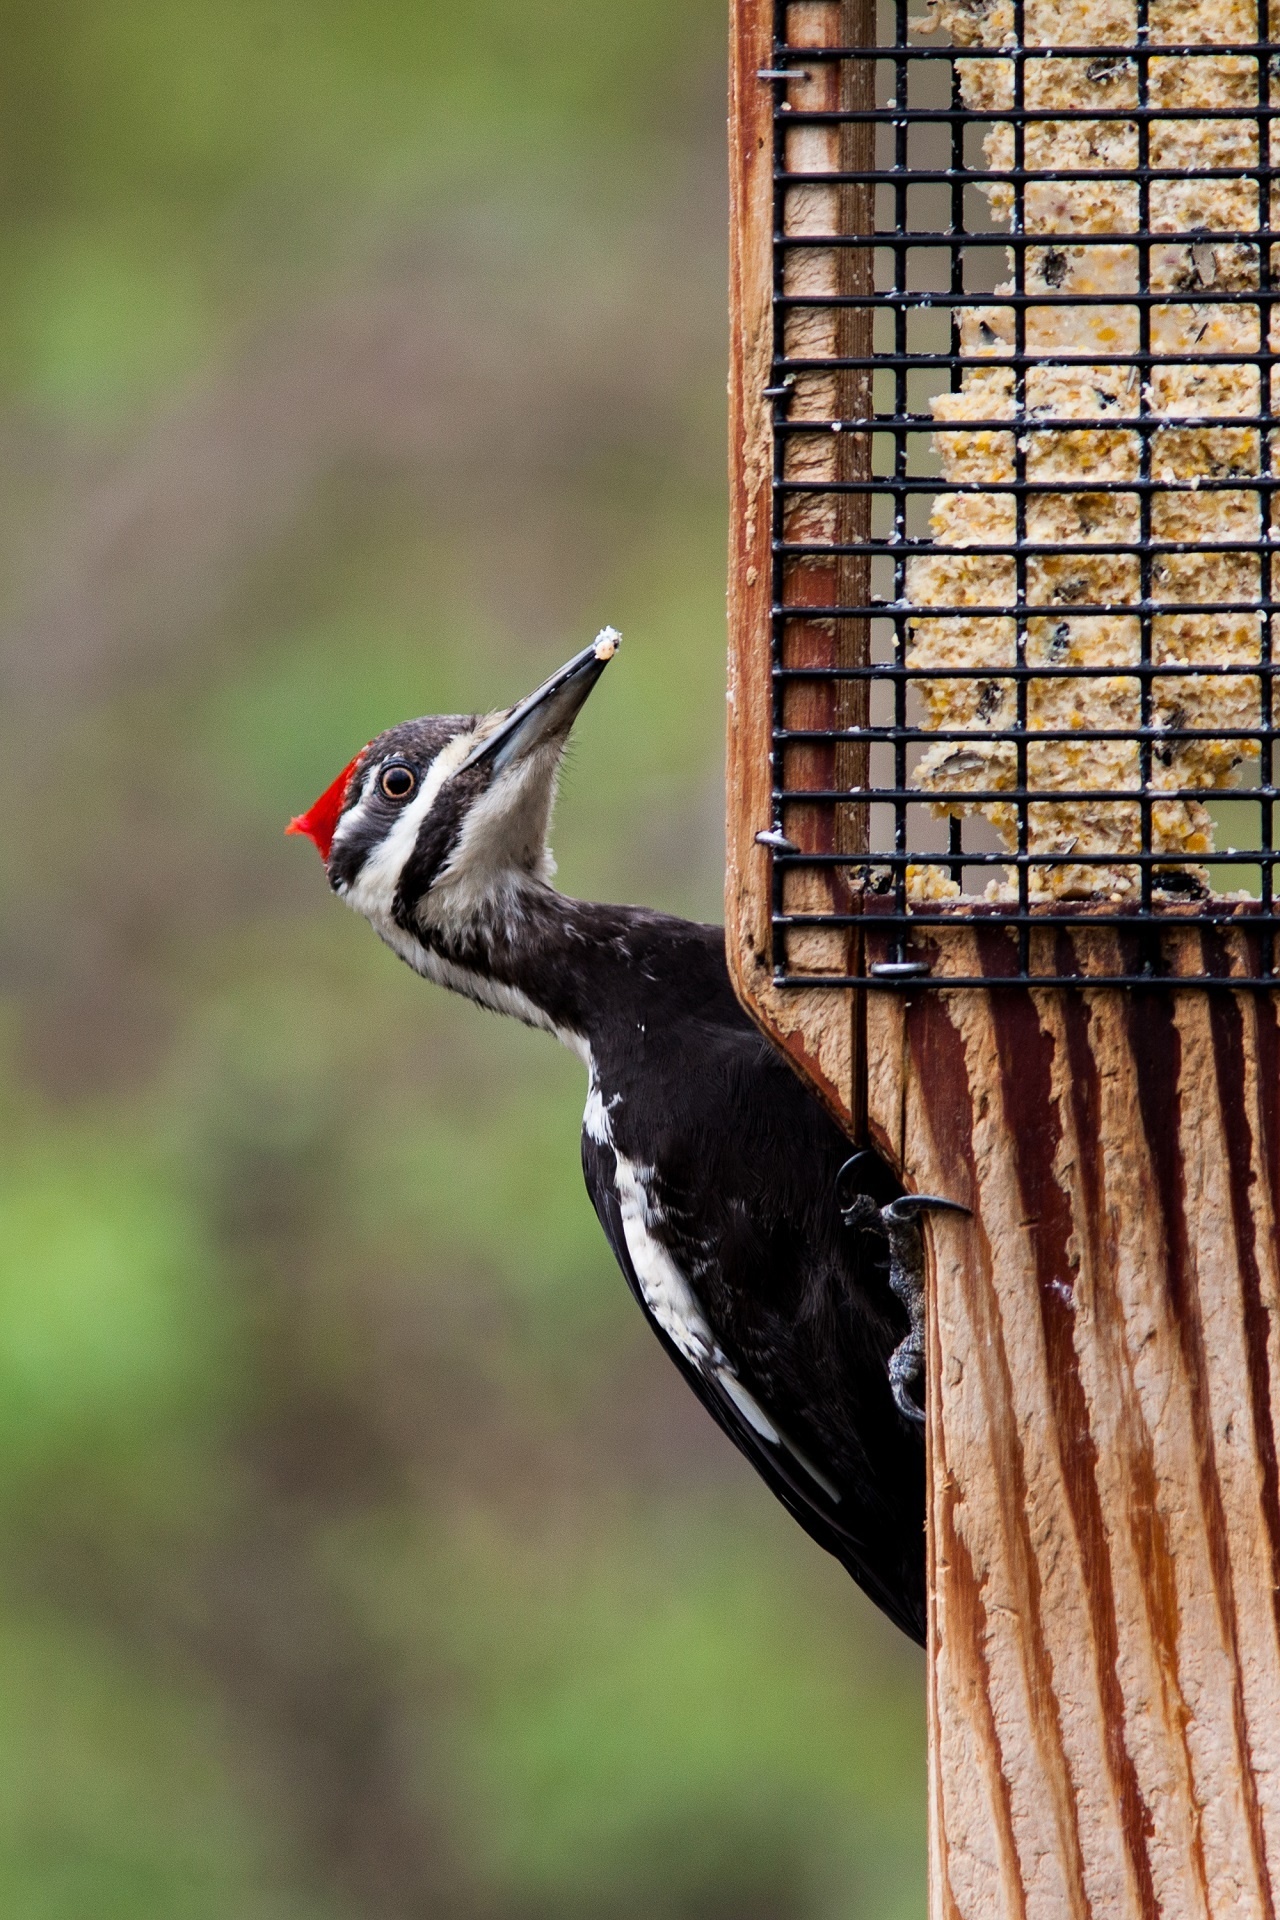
(608, 640)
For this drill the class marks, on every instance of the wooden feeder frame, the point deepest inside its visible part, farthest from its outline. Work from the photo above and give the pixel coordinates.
(1100, 1086)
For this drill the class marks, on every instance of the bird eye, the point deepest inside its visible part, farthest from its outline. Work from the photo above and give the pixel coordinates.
(398, 782)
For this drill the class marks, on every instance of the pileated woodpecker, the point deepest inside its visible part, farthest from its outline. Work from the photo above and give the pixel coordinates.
(713, 1170)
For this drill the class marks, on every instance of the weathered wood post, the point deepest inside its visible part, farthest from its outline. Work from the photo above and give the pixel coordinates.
(1104, 1520)
(1103, 1090)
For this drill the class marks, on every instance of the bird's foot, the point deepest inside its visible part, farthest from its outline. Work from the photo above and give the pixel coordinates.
(906, 1376)
(900, 1224)
(857, 1209)
(901, 1221)
(862, 1212)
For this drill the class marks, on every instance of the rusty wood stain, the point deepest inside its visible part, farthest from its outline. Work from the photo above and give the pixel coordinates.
(821, 1029)
(1226, 1018)
(939, 1532)
(1101, 1146)
(1025, 1054)
(1066, 1206)
(938, 1064)
(1143, 1512)
(1157, 1051)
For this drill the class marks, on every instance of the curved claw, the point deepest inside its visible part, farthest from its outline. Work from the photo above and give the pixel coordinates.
(902, 1209)
(906, 1371)
(904, 1403)
(863, 1153)
(860, 1210)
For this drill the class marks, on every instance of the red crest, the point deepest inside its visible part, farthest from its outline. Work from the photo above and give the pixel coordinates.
(320, 821)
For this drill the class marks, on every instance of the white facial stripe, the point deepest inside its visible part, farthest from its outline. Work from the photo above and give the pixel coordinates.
(355, 812)
(373, 890)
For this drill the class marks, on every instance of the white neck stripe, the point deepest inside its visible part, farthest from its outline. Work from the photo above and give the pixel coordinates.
(373, 891)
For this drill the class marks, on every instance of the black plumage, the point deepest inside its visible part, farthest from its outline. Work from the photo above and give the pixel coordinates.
(743, 1186)
(712, 1168)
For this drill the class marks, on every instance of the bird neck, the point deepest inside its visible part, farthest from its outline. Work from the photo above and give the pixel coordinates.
(532, 952)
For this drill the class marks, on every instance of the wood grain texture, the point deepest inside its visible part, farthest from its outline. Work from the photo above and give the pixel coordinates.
(817, 1029)
(1104, 1330)
(1103, 1515)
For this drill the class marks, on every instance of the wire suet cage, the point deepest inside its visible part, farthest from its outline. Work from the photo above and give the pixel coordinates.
(1021, 423)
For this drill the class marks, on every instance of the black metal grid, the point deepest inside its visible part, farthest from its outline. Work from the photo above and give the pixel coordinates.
(933, 263)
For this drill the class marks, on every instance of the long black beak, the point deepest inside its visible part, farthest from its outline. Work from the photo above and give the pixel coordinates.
(551, 709)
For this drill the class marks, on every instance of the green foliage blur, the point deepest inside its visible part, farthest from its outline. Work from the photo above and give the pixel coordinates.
(362, 1554)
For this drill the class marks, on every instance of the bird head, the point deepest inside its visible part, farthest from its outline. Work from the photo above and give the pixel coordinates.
(441, 823)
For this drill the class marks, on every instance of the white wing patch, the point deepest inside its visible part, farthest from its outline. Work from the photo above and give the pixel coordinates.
(748, 1406)
(668, 1295)
(595, 1115)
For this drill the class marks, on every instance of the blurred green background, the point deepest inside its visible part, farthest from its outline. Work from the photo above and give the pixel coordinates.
(362, 1554)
